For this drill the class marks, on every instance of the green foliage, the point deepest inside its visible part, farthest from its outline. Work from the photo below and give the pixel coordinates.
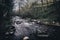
(44, 12)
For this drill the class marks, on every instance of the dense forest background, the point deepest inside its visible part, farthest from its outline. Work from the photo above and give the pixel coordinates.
(45, 11)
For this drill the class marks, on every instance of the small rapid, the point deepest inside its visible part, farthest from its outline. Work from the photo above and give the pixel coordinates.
(23, 27)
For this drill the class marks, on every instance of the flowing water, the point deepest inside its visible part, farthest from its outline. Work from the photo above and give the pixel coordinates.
(25, 28)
